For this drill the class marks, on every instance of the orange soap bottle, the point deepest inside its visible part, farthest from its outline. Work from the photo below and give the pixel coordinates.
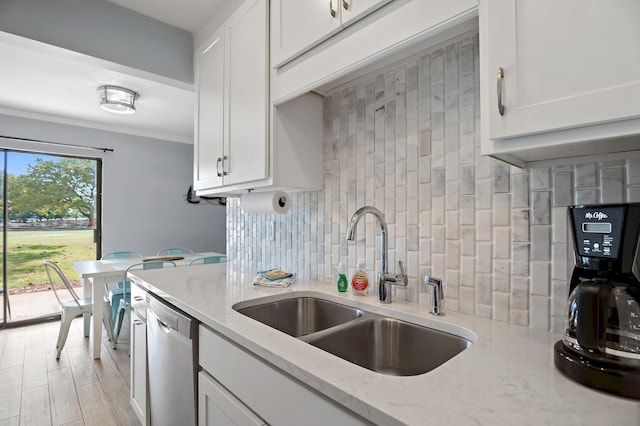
(360, 280)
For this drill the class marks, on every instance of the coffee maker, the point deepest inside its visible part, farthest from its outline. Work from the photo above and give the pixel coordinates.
(601, 343)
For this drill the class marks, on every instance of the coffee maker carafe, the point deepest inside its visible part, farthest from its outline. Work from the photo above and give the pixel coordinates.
(601, 343)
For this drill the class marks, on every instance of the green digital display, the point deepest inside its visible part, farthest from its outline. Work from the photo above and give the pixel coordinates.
(598, 228)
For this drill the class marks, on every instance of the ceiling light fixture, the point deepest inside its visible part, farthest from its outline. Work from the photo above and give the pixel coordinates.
(117, 99)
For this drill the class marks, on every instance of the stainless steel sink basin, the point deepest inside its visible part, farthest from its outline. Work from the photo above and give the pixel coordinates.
(377, 342)
(300, 316)
(390, 346)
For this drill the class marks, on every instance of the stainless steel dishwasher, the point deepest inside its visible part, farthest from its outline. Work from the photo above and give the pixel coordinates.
(172, 342)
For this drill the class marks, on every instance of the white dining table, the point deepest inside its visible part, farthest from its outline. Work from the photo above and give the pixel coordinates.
(96, 273)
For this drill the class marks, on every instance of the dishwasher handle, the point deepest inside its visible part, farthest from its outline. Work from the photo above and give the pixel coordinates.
(164, 327)
(170, 319)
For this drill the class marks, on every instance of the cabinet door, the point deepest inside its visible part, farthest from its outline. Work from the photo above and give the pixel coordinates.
(247, 101)
(209, 128)
(299, 25)
(218, 407)
(566, 64)
(138, 365)
(352, 10)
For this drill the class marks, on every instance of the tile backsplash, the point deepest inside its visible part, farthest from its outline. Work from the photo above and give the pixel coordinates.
(406, 140)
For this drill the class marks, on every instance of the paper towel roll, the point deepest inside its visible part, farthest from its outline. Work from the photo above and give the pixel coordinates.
(277, 202)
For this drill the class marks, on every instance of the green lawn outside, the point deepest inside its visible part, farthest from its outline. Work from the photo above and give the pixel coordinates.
(27, 250)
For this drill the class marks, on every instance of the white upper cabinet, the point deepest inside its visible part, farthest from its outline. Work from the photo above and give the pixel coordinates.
(549, 66)
(209, 126)
(242, 141)
(232, 78)
(248, 88)
(384, 30)
(299, 25)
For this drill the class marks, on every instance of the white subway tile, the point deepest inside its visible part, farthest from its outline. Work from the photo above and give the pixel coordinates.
(502, 242)
(519, 292)
(540, 312)
(485, 225)
(540, 179)
(484, 259)
(562, 189)
(520, 191)
(501, 209)
(467, 300)
(483, 194)
(501, 177)
(541, 242)
(483, 289)
(501, 306)
(611, 182)
(453, 225)
(633, 172)
(585, 175)
(540, 278)
(438, 216)
(468, 241)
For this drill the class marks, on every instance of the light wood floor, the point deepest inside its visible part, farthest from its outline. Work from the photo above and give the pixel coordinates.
(35, 389)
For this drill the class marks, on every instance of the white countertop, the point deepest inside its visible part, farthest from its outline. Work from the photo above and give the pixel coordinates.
(506, 377)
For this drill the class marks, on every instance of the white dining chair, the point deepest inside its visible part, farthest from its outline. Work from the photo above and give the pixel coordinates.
(74, 307)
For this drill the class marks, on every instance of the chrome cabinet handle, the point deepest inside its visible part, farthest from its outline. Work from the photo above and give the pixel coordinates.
(224, 172)
(500, 83)
(218, 163)
(332, 9)
(346, 4)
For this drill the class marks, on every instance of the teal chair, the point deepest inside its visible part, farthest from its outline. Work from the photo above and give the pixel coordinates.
(205, 260)
(114, 292)
(121, 255)
(125, 303)
(173, 251)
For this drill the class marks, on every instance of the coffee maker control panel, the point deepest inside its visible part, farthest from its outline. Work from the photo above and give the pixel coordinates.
(598, 230)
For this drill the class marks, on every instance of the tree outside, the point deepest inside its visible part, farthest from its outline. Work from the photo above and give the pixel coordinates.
(54, 189)
(51, 210)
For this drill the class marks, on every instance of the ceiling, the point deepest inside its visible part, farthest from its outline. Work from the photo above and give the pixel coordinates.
(189, 15)
(49, 83)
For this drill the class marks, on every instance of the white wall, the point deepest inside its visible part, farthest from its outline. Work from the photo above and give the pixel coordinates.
(145, 182)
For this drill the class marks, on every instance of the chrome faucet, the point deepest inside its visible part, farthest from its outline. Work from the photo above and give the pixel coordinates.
(436, 295)
(385, 279)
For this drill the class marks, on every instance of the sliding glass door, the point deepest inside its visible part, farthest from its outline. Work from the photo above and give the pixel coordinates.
(50, 211)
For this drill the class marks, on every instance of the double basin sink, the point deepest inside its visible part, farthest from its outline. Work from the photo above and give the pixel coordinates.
(376, 342)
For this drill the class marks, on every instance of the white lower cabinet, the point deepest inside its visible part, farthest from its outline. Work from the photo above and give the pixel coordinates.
(217, 406)
(139, 368)
(238, 378)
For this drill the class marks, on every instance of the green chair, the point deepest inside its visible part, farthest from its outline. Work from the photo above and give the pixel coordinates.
(207, 260)
(114, 292)
(125, 303)
(74, 307)
(173, 251)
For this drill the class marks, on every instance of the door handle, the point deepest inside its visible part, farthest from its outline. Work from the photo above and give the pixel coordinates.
(346, 4)
(500, 77)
